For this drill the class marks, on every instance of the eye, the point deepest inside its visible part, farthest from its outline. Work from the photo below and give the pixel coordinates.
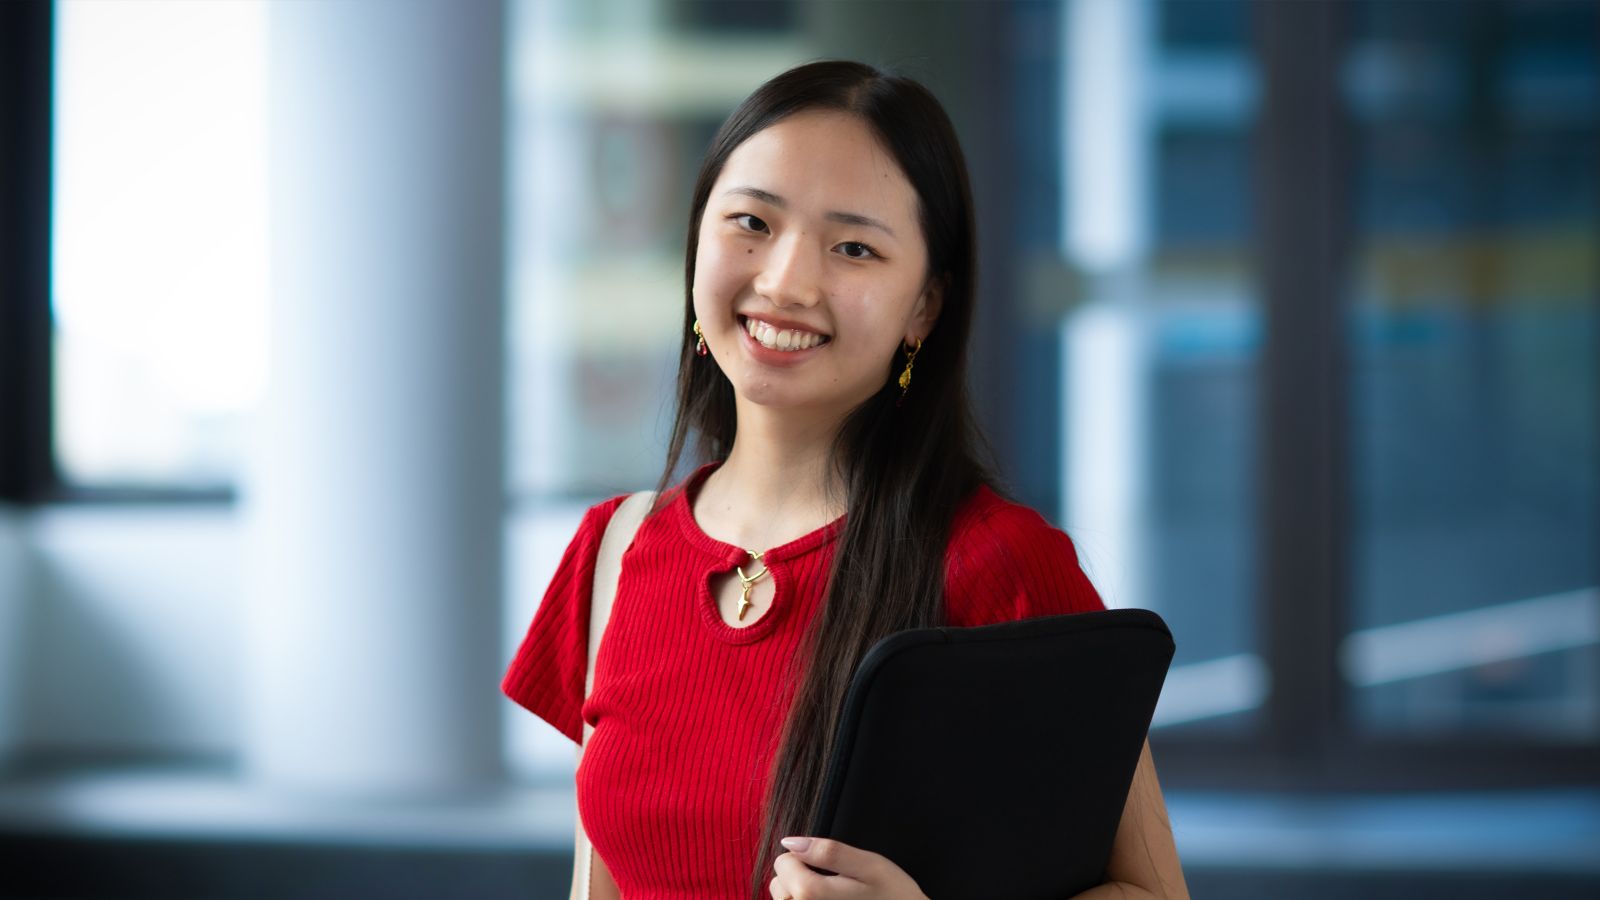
(759, 225)
(868, 251)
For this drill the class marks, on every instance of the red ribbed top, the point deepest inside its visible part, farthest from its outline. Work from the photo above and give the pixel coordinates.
(687, 709)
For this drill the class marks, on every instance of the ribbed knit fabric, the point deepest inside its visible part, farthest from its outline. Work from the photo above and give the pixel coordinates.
(687, 709)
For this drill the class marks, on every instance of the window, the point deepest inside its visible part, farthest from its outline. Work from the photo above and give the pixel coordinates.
(1473, 341)
(159, 269)
(1163, 353)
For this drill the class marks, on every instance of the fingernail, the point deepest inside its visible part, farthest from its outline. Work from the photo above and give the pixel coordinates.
(797, 844)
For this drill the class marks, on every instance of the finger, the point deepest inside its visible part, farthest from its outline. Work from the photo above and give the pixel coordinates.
(836, 856)
(776, 888)
(795, 880)
(792, 871)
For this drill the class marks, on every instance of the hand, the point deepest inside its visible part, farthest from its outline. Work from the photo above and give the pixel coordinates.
(861, 873)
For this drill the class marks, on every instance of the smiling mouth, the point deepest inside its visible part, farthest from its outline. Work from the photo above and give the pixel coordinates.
(782, 339)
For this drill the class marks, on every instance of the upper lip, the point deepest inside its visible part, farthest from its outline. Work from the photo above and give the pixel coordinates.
(783, 324)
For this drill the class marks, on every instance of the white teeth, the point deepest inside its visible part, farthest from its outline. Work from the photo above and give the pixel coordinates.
(788, 339)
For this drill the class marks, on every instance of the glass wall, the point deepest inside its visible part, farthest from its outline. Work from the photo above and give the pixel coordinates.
(1473, 347)
(1203, 352)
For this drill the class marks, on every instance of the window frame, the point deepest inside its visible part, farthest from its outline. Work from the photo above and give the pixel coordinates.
(27, 473)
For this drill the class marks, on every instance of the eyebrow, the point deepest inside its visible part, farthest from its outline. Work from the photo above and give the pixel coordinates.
(847, 218)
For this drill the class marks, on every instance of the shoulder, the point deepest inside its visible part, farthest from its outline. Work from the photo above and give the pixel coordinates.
(575, 571)
(592, 527)
(989, 529)
(597, 517)
(1006, 561)
(546, 676)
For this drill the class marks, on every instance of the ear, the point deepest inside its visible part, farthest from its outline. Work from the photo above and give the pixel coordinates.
(926, 311)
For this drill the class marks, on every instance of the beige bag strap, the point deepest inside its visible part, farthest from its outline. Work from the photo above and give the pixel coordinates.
(603, 592)
(607, 569)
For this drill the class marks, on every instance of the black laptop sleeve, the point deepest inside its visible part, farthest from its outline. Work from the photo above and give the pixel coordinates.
(994, 762)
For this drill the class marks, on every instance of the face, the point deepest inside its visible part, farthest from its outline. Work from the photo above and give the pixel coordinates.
(810, 238)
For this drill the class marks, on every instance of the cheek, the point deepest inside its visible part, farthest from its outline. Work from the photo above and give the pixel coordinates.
(715, 273)
(878, 317)
(872, 325)
(705, 291)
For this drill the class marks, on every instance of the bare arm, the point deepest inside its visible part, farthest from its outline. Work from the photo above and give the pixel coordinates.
(1144, 859)
(595, 883)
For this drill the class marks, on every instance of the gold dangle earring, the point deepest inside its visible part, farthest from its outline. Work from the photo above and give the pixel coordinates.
(700, 344)
(905, 376)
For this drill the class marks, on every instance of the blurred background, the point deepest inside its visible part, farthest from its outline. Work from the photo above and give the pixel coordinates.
(322, 322)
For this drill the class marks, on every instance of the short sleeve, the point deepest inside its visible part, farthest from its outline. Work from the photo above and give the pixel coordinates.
(546, 675)
(1005, 562)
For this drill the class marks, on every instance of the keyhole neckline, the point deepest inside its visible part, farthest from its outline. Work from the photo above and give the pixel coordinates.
(719, 557)
(730, 554)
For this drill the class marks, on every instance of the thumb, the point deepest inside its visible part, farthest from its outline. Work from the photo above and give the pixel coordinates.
(834, 856)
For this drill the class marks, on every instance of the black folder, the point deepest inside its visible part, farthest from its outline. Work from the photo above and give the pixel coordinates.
(994, 761)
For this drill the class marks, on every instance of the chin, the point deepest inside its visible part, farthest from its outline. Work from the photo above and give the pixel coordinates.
(770, 396)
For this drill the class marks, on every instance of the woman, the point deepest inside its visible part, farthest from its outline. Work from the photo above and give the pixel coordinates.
(840, 498)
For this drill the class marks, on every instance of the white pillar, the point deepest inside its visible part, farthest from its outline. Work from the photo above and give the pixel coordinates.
(374, 501)
(1106, 111)
(1106, 342)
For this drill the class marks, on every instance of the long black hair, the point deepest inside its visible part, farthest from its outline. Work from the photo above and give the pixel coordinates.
(905, 467)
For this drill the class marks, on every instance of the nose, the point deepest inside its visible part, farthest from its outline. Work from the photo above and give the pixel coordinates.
(792, 274)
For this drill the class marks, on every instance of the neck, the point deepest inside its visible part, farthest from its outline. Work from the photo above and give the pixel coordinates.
(776, 483)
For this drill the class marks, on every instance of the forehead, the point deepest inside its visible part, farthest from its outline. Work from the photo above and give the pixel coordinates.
(823, 160)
